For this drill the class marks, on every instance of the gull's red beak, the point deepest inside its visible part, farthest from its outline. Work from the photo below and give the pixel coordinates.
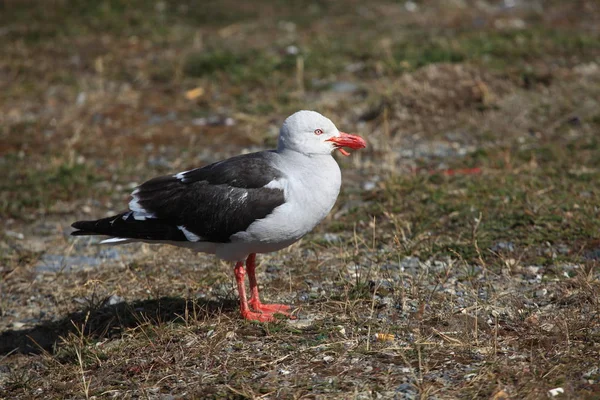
(346, 140)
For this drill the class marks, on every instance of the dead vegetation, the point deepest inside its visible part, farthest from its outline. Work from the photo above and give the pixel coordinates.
(461, 260)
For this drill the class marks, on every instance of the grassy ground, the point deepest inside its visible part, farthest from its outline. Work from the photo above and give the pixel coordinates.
(461, 260)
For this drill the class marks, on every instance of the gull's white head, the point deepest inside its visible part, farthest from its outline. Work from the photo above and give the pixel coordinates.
(310, 133)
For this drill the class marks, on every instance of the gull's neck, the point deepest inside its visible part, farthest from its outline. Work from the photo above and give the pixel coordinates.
(290, 153)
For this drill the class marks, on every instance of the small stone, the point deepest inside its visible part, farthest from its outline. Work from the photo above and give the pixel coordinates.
(288, 26)
(369, 185)
(81, 98)
(408, 391)
(587, 69)
(214, 120)
(503, 246)
(114, 300)
(387, 301)
(199, 121)
(292, 50)
(556, 391)
(15, 235)
(160, 6)
(331, 237)
(193, 94)
(341, 330)
(501, 395)
(301, 322)
(532, 270)
(548, 327)
(411, 6)
(355, 67)
(410, 263)
(384, 337)
(328, 359)
(344, 87)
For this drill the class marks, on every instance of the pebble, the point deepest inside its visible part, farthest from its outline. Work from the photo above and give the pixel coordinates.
(408, 391)
(532, 270)
(410, 263)
(331, 238)
(292, 50)
(556, 391)
(384, 337)
(159, 161)
(369, 185)
(411, 6)
(587, 69)
(17, 325)
(503, 246)
(387, 301)
(81, 98)
(355, 67)
(301, 322)
(15, 235)
(114, 300)
(343, 87)
(341, 330)
(213, 120)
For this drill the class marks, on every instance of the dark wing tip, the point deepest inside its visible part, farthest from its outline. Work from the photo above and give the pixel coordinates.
(81, 224)
(82, 233)
(85, 228)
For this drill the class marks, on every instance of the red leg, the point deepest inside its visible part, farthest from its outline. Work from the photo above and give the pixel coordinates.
(255, 304)
(245, 310)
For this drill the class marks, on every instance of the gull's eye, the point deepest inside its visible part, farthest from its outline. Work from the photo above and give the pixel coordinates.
(318, 131)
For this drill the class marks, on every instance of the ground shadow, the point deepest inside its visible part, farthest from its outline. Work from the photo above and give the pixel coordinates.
(108, 321)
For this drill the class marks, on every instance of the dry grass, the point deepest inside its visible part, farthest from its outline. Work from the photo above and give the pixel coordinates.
(461, 261)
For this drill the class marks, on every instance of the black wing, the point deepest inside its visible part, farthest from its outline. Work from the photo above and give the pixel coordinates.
(124, 225)
(205, 204)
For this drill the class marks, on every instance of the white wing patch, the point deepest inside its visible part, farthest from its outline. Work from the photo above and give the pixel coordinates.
(181, 176)
(138, 216)
(191, 236)
(276, 184)
(139, 212)
(115, 240)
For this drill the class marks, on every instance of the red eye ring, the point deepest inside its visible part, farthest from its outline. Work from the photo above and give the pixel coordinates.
(318, 131)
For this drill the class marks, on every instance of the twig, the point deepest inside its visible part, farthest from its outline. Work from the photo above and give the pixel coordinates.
(85, 383)
(475, 242)
(300, 74)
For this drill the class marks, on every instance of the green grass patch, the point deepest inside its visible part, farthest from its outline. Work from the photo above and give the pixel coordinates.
(238, 67)
(492, 47)
(529, 205)
(28, 188)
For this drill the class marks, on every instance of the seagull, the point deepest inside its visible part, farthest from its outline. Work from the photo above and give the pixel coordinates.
(248, 204)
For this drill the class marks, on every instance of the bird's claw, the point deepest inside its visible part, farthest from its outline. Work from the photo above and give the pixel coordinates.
(266, 312)
(256, 316)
